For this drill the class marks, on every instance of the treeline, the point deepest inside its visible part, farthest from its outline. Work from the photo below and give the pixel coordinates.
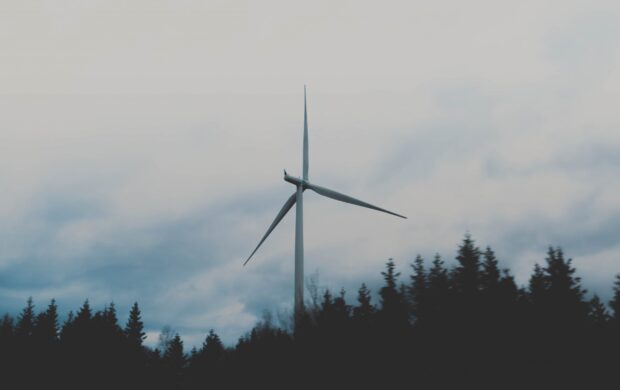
(438, 327)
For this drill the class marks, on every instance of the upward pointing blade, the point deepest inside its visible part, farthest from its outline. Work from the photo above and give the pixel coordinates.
(306, 162)
(287, 206)
(345, 198)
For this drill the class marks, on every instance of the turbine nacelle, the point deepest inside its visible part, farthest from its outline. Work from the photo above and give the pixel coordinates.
(295, 180)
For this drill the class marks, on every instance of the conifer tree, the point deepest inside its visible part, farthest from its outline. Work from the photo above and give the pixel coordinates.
(490, 275)
(537, 284)
(6, 328)
(614, 304)
(597, 313)
(365, 309)
(25, 321)
(467, 272)
(67, 327)
(507, 289)
(212, 348)
(418, 288)
(438, 290)
(84, 315)
(563, 289)
(341, 309)
(174, 358)
(134, 330)
(46, 326)
(393, 312)
(109, 317)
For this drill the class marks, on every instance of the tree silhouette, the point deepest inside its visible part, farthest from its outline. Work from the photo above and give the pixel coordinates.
(614, 304)
(393, 314)
(25, 322)
(467, 272)
(365, 310)
(417, 290)
(597, 313)
(174, 361)
(490, 275)
(46, 325)
(6, 329)
(134, 329)
(212, 349)
(473, 327)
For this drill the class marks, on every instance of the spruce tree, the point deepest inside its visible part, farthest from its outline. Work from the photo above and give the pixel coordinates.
(134, 329)
(67, 328)
(614, 304)
(490, 275)
(438, 290)
(418, 288)
(212, 348)
(84, 315)
(174, 358)
(467, 272)
(393, 313)
(538, 286)
(597, 313)
(563, 289)
(365, 309)
(25, 321)
(46, 328)
(109, 317)
(6, 328)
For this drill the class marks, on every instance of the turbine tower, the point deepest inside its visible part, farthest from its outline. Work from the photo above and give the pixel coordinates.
(301, 185)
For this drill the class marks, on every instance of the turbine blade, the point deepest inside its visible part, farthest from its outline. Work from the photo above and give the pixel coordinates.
(287, 206)
(306, 162)
(345, 198)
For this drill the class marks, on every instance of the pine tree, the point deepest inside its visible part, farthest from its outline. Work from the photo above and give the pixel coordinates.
(389, 293)
(597, 314)
(67, 328)
(109, 317)
(25, 321)
(326, 304)
(467, 273)
(174, 362)
(6, 328)
(212, 348)
(134, 330)
(614, 304)
(564, 289)
(508, 290)
(490, 275)
(341, 309)
(46, 326)
(84, 315)
(393, 313)
(418, 288)
(174, 358)
(365, 309)
(538, 286)
(438, 289)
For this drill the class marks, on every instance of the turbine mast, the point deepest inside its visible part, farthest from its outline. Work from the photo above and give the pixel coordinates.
(299, 256)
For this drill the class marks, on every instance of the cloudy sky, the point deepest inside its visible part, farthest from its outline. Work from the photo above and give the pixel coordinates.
(142, 145)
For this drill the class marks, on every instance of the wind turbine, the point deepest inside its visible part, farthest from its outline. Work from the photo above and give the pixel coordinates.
(301, 185)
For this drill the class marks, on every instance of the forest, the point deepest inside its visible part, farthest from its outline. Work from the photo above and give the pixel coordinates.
(467, 325)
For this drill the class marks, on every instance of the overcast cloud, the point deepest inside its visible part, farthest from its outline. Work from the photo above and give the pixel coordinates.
(142, 145)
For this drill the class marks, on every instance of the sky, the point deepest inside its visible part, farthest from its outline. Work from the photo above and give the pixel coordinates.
(142, 146)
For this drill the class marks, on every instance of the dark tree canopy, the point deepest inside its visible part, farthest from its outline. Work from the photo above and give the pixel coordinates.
(456, 324)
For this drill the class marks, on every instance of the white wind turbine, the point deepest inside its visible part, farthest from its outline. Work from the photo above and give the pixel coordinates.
(297, 198)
